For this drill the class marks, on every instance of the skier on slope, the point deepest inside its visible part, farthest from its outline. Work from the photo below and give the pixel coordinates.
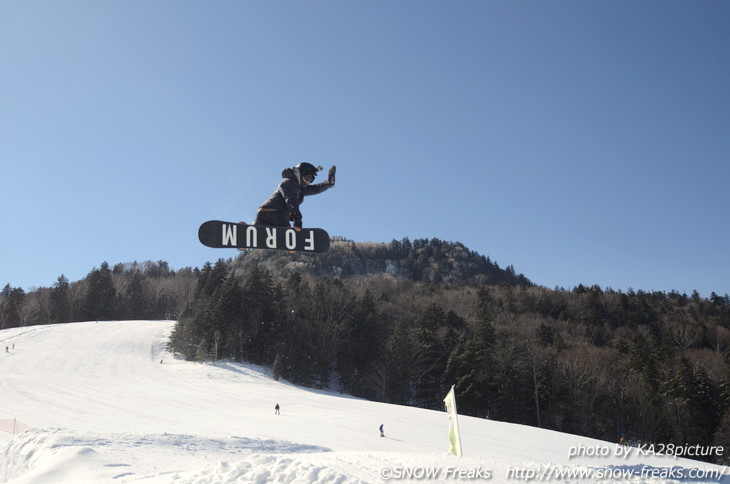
(283, 205)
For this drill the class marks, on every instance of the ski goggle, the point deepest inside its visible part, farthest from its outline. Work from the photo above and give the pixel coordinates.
(310, 178)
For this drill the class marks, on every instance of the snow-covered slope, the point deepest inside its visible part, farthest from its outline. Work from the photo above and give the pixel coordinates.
(107, 403)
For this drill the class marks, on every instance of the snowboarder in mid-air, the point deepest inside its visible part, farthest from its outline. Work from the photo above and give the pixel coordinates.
(272, 229)
(283, 205)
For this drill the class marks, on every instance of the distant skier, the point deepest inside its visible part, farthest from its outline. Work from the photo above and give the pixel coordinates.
(283, 205)
(276, 409)
(382, 433)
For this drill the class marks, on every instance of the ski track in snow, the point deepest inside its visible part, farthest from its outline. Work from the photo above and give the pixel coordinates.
(104, 408)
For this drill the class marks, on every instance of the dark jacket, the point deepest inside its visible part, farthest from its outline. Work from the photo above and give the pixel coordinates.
(290, 193)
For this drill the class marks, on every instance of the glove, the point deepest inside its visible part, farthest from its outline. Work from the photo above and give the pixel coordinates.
(331, 175)
(296, 216)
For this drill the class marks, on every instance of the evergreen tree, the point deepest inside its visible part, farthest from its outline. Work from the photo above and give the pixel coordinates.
(722, 438)
(432, 358)
(12, 309)
(295, 344)
(211, 278)
(60, 301)
(705, 408)
(137, 298)
(261, 311)
(399, 361)
(362, 347)
(195, 327)
(331, 306)
(642, 359)
(227, 316)
(676, 391)
(471, 365)
(201, 352)
(276, 367)
(101, 295)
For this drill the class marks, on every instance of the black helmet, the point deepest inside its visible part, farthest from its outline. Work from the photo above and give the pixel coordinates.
(308, 171)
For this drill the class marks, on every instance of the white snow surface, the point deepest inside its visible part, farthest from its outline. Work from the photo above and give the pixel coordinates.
(108, 404)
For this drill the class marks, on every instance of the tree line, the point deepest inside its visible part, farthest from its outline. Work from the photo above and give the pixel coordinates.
(650, 367)
(150, 290)
(402, 322)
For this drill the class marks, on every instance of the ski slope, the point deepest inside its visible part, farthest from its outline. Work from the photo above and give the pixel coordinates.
(107, 403)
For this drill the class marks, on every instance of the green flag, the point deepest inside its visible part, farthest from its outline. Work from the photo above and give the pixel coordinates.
(454, 439)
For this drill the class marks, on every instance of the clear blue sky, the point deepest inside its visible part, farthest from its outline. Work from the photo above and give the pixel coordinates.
(581, 142)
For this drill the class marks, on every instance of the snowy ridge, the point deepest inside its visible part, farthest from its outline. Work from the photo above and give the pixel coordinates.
(107, 403)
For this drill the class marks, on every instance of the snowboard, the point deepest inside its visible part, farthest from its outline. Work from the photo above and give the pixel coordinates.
(220, 235)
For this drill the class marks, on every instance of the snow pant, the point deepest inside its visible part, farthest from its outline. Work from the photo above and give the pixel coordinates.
(271, 218)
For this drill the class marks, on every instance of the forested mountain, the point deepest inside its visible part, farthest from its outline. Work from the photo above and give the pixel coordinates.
(402, 322)
(422, 260)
